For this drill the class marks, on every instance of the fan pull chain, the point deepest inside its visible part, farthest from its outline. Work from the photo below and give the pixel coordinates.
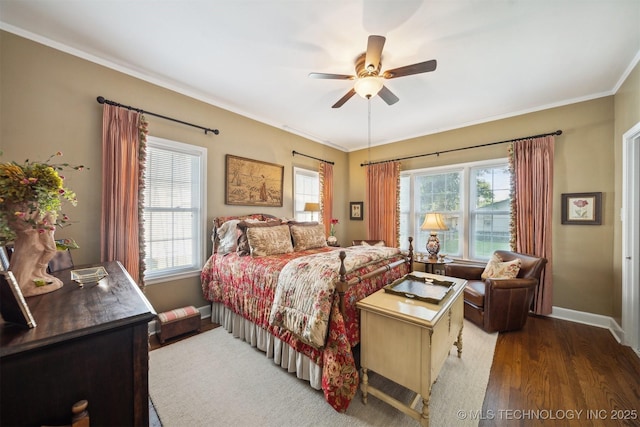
(369, 130)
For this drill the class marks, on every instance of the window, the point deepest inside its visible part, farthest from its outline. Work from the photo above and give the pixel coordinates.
(473, 198)
(174, 214)
(306, 189)
(490, 210)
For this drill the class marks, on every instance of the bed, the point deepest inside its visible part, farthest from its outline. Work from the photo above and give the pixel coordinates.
(278, 286)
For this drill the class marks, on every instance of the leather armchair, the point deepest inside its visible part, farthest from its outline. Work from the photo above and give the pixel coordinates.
(499, 304)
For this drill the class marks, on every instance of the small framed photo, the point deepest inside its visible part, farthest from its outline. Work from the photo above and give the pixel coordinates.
(13, 307)
(582, 208)
(356, 210)
(4, 259)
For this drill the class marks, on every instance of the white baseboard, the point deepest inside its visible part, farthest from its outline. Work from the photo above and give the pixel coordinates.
(205, 311)
(592, 319)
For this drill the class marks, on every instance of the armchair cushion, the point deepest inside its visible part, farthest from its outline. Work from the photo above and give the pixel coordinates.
(474, 292)
(498, 269)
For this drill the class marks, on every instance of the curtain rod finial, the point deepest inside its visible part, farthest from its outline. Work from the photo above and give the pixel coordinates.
(101, 100)
(558, 132)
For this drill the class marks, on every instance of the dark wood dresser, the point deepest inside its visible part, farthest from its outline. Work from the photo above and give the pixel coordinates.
(90, 343)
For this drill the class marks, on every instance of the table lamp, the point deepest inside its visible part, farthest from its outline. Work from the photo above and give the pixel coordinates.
(312, 207)
(433, 222)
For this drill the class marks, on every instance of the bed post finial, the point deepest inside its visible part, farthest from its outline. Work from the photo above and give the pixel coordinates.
(410, 261)
(342, 285)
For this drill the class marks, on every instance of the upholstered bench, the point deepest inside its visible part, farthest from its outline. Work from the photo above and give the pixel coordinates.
(177, 322)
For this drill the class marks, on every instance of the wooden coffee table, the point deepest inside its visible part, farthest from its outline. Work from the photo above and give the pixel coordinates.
(408, 341)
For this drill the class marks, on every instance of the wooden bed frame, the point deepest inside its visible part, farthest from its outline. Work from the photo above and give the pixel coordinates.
(343, 284)
(305, 360)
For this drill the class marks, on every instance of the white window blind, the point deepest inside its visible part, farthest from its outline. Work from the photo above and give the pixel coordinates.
(174, 214)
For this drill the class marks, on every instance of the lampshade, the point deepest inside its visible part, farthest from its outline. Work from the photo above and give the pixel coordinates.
(433, 221)
(368, 87)
(312, 207)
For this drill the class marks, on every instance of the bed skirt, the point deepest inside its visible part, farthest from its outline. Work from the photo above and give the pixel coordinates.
(281, 353)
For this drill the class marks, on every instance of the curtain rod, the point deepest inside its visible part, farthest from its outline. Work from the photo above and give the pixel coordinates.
(437, 153)
(101, 100)
(294, 152)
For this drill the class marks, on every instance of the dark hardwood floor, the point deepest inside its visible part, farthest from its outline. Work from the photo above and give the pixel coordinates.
(560, 373)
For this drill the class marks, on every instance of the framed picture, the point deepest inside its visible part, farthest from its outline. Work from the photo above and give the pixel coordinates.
(253, 182)
(356, 210)
(13, 306)
(582, 208)
(4, 259)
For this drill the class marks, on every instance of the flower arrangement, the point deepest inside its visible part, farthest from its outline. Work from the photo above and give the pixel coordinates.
(332, 230)
(33, 192)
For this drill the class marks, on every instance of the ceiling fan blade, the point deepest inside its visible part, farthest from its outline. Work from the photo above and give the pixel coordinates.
(344, 99)
(331, 76)
(420, 67)
(374, 52)
(388, 96)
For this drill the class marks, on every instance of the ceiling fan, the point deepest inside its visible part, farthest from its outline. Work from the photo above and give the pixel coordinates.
(369, 80)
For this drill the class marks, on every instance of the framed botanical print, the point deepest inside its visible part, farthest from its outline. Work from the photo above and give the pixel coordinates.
(582, 208)
(253, 182)
(356, 210)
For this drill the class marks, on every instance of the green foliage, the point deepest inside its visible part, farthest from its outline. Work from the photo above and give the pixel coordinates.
(33, 192)
(439, 193)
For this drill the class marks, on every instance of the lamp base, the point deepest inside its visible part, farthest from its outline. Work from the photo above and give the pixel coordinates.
(433, 245)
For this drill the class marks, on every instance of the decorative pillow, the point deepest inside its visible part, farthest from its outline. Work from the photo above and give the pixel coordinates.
(219, 220)
(243, 241)
(228, 237)
(308, 236)
(265, 241)
(498, 269)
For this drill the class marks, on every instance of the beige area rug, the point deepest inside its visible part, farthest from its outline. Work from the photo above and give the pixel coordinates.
(213, 379)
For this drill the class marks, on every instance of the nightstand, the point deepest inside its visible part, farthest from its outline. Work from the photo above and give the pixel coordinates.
(432, 265)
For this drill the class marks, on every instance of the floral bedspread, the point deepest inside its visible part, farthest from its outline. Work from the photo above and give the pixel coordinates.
(247, 285)
(306, 285)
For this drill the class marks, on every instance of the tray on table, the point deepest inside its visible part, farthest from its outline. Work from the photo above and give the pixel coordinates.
(420, 288)
(87, 275)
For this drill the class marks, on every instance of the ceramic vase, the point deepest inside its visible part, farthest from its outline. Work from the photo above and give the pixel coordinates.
(32, 250)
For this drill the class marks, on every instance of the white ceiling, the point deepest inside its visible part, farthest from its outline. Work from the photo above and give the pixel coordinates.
(496, 58)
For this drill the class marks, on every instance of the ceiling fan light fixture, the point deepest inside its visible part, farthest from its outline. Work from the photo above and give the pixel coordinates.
(368, 86)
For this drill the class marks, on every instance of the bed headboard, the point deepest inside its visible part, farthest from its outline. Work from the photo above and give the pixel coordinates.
(219, 220)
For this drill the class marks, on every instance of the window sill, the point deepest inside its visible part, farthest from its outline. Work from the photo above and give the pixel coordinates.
(171, 277)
